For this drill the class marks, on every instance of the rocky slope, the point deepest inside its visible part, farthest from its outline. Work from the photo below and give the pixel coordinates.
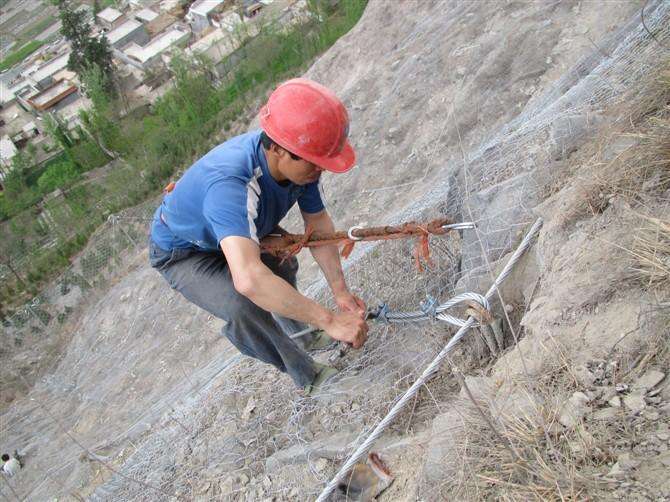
(485, 112)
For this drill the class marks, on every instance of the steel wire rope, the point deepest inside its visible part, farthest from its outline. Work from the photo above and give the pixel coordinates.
(429, 371)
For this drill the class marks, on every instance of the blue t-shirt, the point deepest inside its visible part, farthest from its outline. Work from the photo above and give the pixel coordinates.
(228, 192)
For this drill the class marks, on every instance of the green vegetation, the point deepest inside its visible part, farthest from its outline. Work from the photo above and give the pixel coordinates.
(154, 144)
(36, 28)
(87, 51)
(20, 54)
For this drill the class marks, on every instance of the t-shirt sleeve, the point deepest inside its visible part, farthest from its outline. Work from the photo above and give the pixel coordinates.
(310, 201)
(226, 209)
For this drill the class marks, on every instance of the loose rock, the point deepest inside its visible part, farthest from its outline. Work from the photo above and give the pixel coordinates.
(634, 402)
(574, 409)
(649, 380)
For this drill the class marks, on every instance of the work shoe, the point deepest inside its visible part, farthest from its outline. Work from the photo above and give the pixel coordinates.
(316, 340)
(325, 374)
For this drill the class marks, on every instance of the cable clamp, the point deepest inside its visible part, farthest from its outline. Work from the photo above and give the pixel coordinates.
(429, 306)
(382, 313)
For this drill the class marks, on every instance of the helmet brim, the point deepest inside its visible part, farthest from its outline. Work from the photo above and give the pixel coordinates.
(338, 163)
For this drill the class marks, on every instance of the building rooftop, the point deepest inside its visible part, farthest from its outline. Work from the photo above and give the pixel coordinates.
(60, 89)
(207, 41)
(125, 29)
(29, 127)
(146, 15)
(109, 14)
(7, 149)
(204, 7)
(229, 21)
(157, 45)
(50, 68)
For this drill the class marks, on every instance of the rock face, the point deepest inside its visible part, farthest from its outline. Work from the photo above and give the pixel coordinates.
(442, 450)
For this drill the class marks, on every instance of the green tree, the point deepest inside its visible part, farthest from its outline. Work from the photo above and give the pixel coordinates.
(58, 175)
(87, 50)
(101, 121)
(56, 128)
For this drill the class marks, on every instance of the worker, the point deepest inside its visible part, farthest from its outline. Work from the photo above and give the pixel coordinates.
(205, 235)
(11, 464)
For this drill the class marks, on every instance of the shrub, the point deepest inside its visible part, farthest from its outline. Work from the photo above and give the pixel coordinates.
(59, 175)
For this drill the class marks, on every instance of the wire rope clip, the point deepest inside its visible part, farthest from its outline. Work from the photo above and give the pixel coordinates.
(350, 233)
(429, 306)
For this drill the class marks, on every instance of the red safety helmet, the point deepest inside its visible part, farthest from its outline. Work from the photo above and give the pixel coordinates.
(308, 120)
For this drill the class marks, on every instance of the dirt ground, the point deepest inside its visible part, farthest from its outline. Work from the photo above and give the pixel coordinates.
(478, 110)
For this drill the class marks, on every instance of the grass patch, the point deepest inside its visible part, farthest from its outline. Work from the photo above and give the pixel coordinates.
(631, 159)
(38, 27)
(20, 54)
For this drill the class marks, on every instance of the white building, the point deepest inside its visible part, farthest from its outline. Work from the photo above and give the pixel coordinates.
(150, 54)
(131, 31)
(145, 16)
(7, 153)
(216, 46)
(110, 18)
(200, 14)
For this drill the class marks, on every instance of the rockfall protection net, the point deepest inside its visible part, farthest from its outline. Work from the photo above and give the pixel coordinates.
(186, 417)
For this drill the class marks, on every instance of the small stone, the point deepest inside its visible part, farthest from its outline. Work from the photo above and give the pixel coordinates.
(243, 479)
(616, 472)
(621, 387)
(626, 462)
(663, 436)
(652, 415)
(584, 376)
(615, 402)
(226, 486)
(634, 402)
(267, 483)
(321, 465)
(605, 414)
(649, 380)
(664, 458)
(608, 393)
(574, 409)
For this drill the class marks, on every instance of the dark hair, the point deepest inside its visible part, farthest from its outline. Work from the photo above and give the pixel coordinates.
(5, 457)
(267, 142)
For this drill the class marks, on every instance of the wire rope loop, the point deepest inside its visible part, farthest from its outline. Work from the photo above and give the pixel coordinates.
(465, 225)
(350, 233)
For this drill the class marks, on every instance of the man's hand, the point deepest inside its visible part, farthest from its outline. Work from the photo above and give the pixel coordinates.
(348, 302)
(348, 327)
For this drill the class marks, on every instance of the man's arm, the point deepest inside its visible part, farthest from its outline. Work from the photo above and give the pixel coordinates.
(253, 279)
(328, 258)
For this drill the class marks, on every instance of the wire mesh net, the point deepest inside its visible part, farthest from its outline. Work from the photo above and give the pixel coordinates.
(215, 425)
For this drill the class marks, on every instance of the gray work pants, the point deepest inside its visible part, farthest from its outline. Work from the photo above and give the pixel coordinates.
(203, 278)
